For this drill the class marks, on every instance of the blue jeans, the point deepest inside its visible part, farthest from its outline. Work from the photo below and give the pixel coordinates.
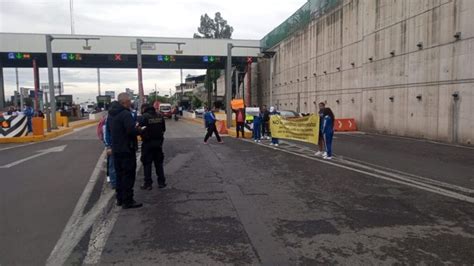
(112, 173)
(328, 141)
(275, 141)
(257, 131)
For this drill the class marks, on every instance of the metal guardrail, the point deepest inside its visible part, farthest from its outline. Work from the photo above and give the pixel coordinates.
(302, 17)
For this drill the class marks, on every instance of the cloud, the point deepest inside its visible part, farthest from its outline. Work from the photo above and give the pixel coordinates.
(177, 18)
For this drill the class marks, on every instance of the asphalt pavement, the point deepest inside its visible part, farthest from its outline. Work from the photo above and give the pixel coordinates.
(382, 200)
(38, 196)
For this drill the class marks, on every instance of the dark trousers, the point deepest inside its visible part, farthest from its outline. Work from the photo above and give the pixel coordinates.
(125, 167)
(266, 128)
(328, 141)
(240, 129)
(153, 154)
(210, 130)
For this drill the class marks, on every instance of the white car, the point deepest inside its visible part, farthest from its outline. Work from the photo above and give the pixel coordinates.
(199, 111)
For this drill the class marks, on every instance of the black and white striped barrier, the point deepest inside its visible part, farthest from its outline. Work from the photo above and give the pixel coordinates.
(13, 126)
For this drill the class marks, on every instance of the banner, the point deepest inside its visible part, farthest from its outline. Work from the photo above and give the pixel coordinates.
(253, 111)
(304, 129)
(237, 104)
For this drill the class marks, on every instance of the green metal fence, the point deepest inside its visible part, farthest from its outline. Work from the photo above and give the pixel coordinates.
(301, 18)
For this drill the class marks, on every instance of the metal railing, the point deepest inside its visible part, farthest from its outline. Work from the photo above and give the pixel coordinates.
(302, 17)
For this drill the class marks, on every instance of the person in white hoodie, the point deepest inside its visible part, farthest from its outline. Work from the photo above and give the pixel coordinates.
(275, 142)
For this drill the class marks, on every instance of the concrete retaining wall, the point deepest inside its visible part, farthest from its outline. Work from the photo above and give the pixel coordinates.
(364, 60)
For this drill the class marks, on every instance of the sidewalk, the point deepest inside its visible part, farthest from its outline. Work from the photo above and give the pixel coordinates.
(50, 135)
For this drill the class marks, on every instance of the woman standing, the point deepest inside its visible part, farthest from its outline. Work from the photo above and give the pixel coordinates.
(328, 131)
(275, 141)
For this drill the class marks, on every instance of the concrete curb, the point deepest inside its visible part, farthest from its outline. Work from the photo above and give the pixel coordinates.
(49, 135)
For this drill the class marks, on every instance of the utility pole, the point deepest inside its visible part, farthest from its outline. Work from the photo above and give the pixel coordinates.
(59, 81)
(18, 89)
(98, 81)
(71, 11)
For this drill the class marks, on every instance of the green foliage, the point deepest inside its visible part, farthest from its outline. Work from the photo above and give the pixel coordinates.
(152, 97)
(216, 28)
(196, 102)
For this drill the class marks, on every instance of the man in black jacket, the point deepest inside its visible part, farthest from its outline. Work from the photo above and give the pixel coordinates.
(152, 129)
(123, 131)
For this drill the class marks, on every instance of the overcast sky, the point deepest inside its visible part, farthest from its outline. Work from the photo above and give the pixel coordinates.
(251, 19)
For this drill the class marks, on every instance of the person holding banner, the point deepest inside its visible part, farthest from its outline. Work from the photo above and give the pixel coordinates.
(275, 141)
(321, 151)
(328, 131)
(257, 127)
(240, 122)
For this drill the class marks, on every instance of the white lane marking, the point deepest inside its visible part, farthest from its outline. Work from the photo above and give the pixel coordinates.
(56, 138)
(40, 153)
(65, 243)
(101, 230)
(400, 174)
(404, 181)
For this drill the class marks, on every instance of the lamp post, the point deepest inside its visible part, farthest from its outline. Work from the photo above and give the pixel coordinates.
(49, 58)
(228, 79)
(141, 42)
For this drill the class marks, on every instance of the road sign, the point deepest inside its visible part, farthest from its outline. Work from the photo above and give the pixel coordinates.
(145, 46)
(58, 87)
(111, 94)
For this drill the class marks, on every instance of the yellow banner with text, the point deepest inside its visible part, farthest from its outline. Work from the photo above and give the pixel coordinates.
(304, 129)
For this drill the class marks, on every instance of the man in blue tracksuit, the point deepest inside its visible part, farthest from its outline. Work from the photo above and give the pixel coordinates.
(108, 145)
(257, 127)
(29, 112)
(210, 124)
(328, 131)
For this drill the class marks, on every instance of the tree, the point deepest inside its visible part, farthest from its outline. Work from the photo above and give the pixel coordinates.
(216, 28)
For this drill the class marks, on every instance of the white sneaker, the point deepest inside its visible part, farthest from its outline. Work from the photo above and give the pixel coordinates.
(255, 140)
(276, 144)
(328, 158)
(271, 144)
(318, 153)
(258, 141)
(325, 154)
(108, 179)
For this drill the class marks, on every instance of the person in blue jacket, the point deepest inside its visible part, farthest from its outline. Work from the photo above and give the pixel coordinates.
(29, 112)
(210, 124)
(328, 131)
(257, 127)
(110, 156)
(275, 142)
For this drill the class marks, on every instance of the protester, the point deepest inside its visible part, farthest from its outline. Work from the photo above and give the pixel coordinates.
(275, 142)
(321, 150)
(152, 129)
(328, 131)
(29, 113)
(210, 123)
(107, 139)
(257, 126)
(40, 114)
(265, 123)
(12, 111)
(123, 131)
(240, 122)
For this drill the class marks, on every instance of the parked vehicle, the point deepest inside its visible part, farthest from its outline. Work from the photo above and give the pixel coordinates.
(289, 114)
(199, 112)
(165, 110)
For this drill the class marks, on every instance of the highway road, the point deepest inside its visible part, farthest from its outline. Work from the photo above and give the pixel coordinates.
(382, 200)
